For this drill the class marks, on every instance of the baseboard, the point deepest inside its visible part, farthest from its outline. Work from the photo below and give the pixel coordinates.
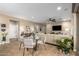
(51, 44)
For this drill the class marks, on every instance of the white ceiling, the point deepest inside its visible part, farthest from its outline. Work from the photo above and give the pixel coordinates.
(37, 12)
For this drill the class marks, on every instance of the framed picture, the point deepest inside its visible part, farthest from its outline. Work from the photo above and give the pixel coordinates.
(3, 30)
(3, 25)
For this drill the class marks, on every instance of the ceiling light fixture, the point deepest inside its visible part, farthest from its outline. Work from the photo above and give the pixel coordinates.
(59, 8)
(32, 17)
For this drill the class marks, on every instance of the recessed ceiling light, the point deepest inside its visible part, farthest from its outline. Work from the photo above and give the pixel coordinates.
(64, 19)
(32, 17)
(59, 8)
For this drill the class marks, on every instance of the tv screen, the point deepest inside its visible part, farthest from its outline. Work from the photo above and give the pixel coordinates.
(57, 28)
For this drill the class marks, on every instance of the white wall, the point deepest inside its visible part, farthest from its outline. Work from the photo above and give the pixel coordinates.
(4, 20)
(66, 27)
(34, 26)
(49, 28)
(76, 31)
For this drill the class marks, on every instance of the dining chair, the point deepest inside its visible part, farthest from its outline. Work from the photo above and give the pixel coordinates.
(28, 44)
(42, 39)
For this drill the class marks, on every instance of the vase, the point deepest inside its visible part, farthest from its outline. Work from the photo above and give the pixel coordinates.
(3, 38)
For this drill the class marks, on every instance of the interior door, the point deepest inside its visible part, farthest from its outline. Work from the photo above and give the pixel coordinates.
(13, 32)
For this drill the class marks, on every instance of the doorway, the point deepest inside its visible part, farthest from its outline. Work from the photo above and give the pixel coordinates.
(14, 29)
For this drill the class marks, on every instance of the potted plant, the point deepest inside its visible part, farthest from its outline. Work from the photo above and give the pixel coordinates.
(65, 44)
(4, 34)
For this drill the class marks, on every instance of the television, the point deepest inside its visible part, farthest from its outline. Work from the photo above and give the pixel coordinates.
(57, 28)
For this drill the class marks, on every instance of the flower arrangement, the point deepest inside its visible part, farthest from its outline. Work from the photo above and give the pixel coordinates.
(26, 34)
(65, 44)
(4, 34)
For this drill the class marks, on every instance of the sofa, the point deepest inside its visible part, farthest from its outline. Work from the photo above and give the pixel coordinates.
(52, 38)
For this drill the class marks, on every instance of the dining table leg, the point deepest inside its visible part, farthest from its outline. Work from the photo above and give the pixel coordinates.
(23, 51)
(36, 45)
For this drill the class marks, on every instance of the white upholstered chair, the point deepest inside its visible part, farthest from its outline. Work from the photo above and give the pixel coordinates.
(29, 44)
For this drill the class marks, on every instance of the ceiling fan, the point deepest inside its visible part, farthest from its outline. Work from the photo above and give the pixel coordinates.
(53, 20)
